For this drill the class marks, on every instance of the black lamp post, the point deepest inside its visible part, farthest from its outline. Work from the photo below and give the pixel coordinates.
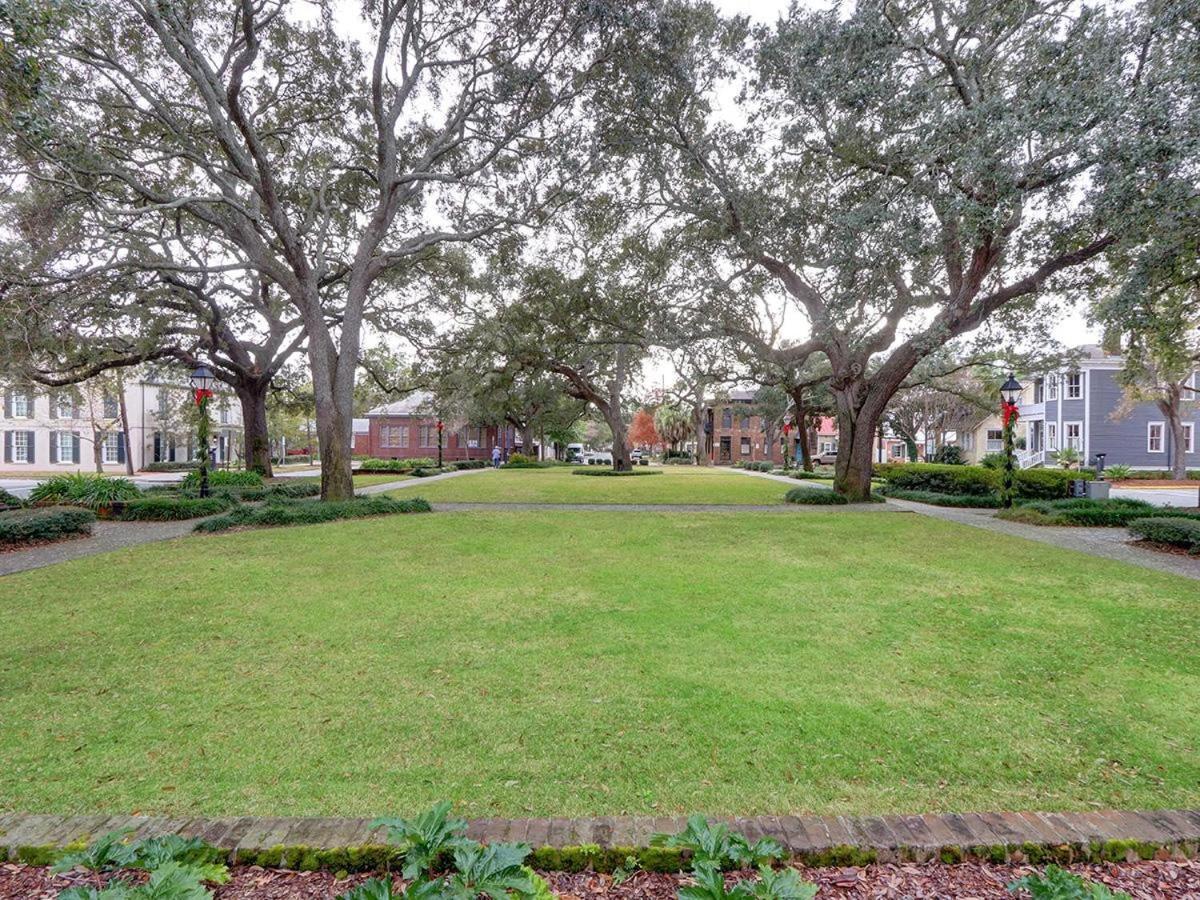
(1010, 393)
(440, 426)
(202, 383)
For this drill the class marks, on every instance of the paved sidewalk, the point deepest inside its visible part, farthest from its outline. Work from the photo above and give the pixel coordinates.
(289, 841)
(1109, 543)
(416, 482)
(106, 537)
(781, 507)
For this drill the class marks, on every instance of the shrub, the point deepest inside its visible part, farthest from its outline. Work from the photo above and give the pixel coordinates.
(1097, 513)
(801, 474)
(80, 489)
(28, 526)
(1059, 884)
(1046, 484)
(812, 496)
(168, 509)
(1157, 474)
(940, 479)
(172, 466)
(971, 501)
(761, 465)
(311, 512)
(288, 490)
(424, 472)
(677, 461)
(949, 455)
(461, 464)
(1118, 472)
(1067, 457)
(223, 478)
(992, 461)
(9, 501)
(607, 471)
(1175, 532)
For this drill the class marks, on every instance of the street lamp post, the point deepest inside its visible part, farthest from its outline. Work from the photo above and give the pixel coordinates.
(202, 382)
(1010, 393)
(787, 429)
(440, 426)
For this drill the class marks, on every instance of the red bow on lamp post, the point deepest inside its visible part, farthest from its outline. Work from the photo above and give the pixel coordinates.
(202, 394)
(1009, 412)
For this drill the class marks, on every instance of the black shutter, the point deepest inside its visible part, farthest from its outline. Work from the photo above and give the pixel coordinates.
(8, 446)
(158, 446)
(121, 447)
(75, 447)
(54, 448)
(8, 409)
(31, 443)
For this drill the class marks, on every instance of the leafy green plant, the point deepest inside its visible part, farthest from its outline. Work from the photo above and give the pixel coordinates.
(192, 853)
(1059, 884)
(992, 461)
(604, 470)
(425, 837)
(310, 512)
(27, 526)
(626, 870)
(782, 884)
(80, 489)
(949, 455)
(171, 881)
(717, 845)
(223, 478)
(1174, 532)
(1083, 511)
(493, 869)
(970, 501)
(169, 509)
(1067, 457)
(10, 501)
(1118, 472)
(785, 884)
(106, 853)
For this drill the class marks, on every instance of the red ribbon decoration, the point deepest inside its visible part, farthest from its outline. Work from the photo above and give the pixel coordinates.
(203, 394)
(1009, 411)
(439, 425)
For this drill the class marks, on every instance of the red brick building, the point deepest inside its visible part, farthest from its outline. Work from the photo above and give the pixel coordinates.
(405, 429)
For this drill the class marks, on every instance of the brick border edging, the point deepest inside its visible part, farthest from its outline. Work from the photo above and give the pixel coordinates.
(605, 843)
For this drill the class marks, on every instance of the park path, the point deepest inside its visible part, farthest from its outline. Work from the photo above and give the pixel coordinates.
(1107, 543)
(107, 537)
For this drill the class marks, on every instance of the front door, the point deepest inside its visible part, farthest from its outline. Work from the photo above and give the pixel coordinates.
(726, 450)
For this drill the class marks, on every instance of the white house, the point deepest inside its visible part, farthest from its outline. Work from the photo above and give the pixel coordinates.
(66, 430)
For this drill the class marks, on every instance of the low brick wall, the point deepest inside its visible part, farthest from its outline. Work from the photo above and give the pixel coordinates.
(604, 843)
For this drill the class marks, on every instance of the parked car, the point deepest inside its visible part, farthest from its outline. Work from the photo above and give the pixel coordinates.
(575, 453)
(825, 459)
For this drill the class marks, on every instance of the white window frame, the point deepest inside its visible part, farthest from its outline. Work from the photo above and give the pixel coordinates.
(22, 456)
(1051, 435)
(69, 438)
(994, 445)
(1162, 437)
(1077, 441)
(898, 451)
(64, 408)
(1073, 392)
(109, 449)
(1052, 387)
(1189, 437)
(26, 405)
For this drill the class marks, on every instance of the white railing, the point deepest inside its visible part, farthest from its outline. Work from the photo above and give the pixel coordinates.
(1027, 459)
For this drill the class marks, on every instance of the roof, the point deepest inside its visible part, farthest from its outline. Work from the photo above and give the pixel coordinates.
(412, 405)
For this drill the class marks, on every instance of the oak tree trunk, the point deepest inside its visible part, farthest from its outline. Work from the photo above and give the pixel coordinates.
(257, 439)
(125, 426)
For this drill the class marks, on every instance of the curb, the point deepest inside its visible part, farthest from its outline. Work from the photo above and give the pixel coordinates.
(603, 844)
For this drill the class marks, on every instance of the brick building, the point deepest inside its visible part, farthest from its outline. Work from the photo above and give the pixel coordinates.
(406, 429)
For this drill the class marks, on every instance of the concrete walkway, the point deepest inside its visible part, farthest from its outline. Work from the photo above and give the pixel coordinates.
(106, 537)
(289, 842)
(416, 482)
(1109, 543)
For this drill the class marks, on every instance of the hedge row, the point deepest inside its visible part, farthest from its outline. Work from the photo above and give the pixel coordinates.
(10, 501)
(813, 496)
(1032, 484)
(763, 465)
(608, 471)
(1097, 513)
(1174, 532)
(173, 509)
(970, 501)
(223, 478)
(310, 512)
(28, 526)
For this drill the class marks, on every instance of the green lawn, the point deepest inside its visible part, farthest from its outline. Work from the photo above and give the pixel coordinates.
(673, 484)
(565, 663)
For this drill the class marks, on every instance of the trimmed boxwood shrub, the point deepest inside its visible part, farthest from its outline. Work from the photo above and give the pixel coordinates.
(802, 475)
(1175, 532)
(815, 497)
(940, 479)
(171, 466)
(81, 489)
(311, 512)
(287, 490)
(607, 471)
(970, 501)
(223, 478)
(460, 464)
(28, 526)
(171, 509)
(1046, 484)
(761, 465)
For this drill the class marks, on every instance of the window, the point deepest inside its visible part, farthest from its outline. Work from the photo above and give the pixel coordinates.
(1189, 437)
(111, 448)
(111, 407)
(393, 436)
(1154, 437)
(428, 436)
(20, 446)
(20, 405)
(967, 441)
(1052, 387)
(995, 440)
(224, 415)
(64, 407)
(1039, 390)
(65, 447)
(745, 446)
(1051, 436)
(745, 423)
(1074, 385)
(1073, 432)
(897, 451)
(827, 447)
(726, 418)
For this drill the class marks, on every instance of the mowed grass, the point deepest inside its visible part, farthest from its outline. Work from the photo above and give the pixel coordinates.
(565, 663)
(671, 485)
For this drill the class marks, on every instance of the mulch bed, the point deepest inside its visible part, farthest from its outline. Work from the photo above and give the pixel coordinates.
(1142, 881)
